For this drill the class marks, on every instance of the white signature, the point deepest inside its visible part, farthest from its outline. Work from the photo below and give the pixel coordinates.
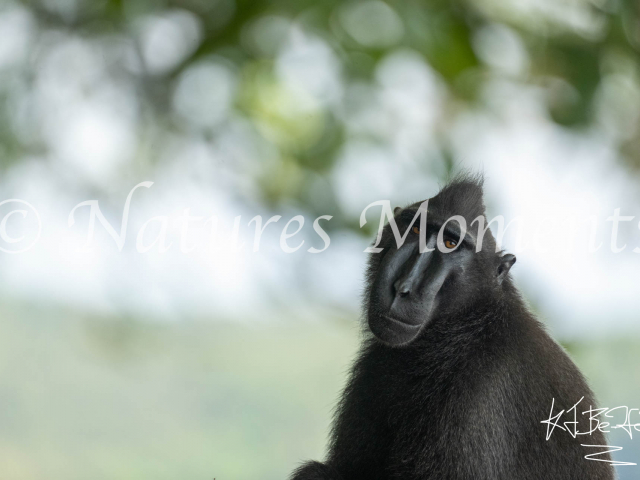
(597, 422)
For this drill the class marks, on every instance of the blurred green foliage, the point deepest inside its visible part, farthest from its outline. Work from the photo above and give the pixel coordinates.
(102, 398)
(575, 52)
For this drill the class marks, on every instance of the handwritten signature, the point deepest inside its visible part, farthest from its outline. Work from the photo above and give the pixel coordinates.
(597, 422)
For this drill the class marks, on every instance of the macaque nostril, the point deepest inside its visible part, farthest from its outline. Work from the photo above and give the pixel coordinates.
(402, 289)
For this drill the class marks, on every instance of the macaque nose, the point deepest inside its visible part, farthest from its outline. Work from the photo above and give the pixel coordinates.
(402, 287)
(409, 283)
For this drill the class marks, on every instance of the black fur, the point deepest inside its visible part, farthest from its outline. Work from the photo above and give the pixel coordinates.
(466, 398)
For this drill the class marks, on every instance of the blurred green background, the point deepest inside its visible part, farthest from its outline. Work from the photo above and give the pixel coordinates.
(217, 364)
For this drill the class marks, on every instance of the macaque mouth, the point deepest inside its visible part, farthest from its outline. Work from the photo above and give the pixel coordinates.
(400, 322)
(392, 330)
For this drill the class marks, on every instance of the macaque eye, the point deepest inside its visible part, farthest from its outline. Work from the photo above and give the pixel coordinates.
(416, 230)
(450, 243)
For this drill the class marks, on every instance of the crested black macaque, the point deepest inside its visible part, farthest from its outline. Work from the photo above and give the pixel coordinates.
(459, 375)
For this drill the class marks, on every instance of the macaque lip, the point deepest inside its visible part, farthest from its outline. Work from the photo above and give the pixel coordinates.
(393, 331)
(401, 322)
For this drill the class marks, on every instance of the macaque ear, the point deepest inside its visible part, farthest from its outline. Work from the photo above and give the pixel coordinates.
(396, 211)
(506, 262)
